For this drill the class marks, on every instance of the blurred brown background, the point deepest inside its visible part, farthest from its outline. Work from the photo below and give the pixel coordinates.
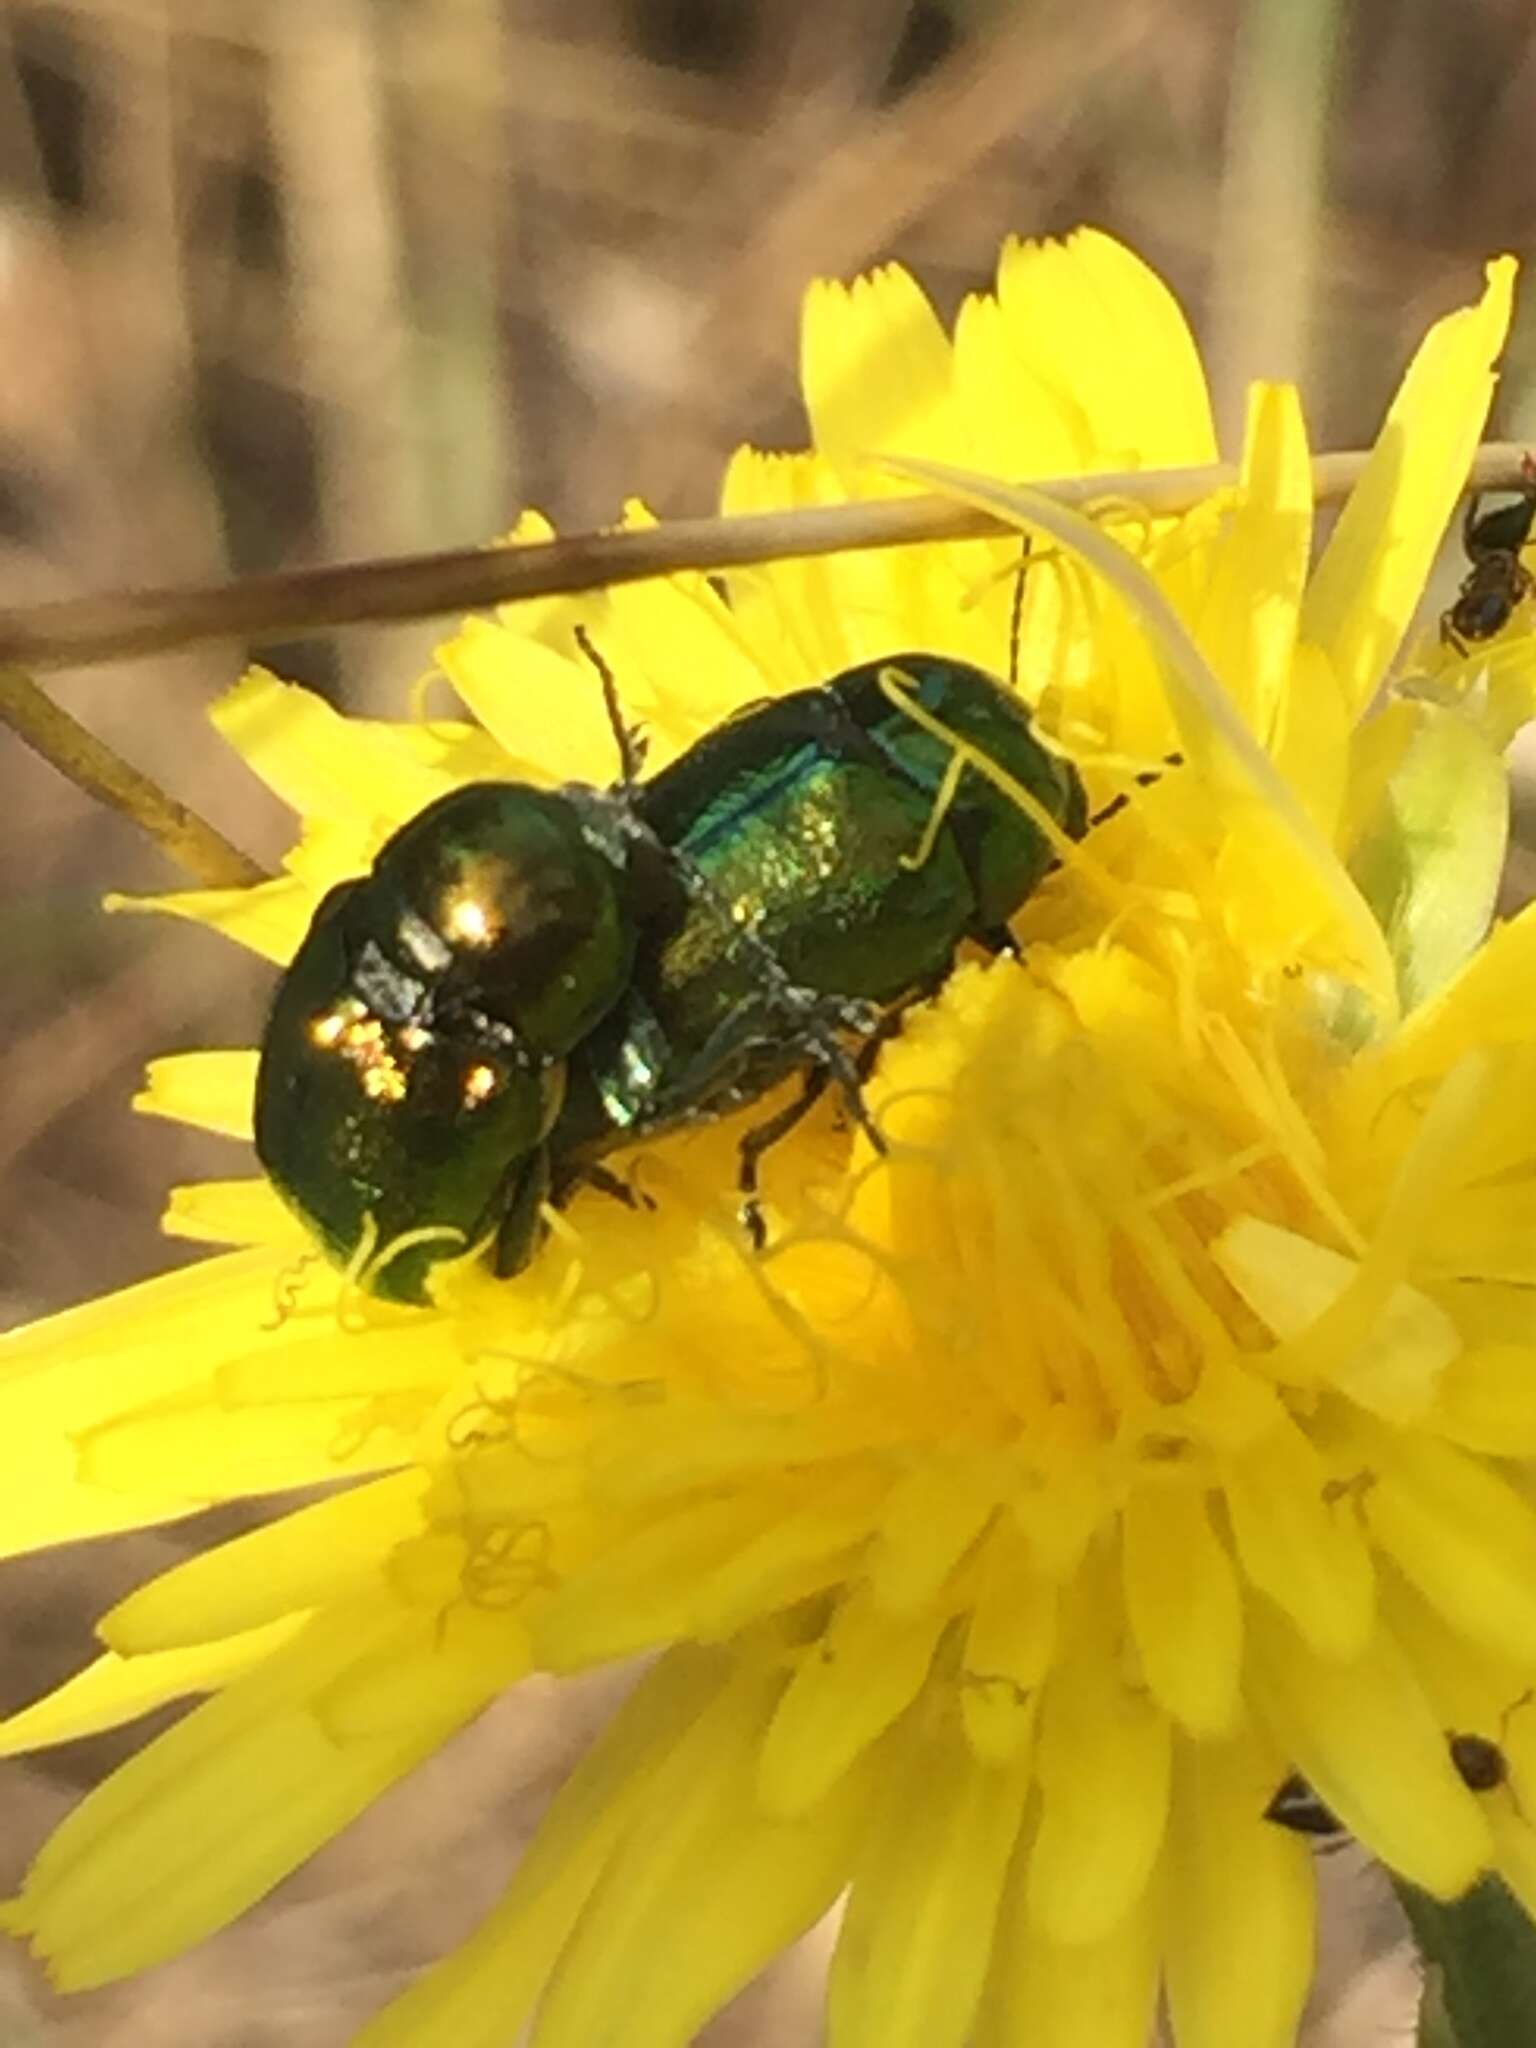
(283, 281)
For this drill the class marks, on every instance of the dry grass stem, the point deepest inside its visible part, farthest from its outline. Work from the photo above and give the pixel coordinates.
(70, 632)
(93, 766)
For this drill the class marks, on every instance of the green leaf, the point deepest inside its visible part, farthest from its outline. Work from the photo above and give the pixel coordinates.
(1479, 1955)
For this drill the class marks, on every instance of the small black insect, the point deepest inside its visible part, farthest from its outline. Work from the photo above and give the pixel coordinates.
(1480, 1764)
(1498, 579)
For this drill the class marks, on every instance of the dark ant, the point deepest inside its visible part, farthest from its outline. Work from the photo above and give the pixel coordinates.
(1480, 1764)
(1497, 579)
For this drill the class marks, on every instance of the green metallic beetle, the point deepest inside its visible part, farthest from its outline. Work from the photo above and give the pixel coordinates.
(414, 1058)
(528, 982)
(800, 823)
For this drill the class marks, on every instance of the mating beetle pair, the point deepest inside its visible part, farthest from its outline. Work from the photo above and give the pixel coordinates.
(528, 981)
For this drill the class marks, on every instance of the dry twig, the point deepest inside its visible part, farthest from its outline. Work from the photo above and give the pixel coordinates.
(93, 766)
(72, 631)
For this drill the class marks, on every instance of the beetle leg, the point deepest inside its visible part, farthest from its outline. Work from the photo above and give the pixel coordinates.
(834, 1061)
(1468, 524)
(760, 1139)
(521, 1230)
(595, 1175)
(889, 1026)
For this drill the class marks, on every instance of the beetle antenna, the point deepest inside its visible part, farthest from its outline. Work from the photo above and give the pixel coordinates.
(1144, 780)
(631, 742)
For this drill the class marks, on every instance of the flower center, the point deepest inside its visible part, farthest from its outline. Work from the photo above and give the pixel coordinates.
(1066, 1150)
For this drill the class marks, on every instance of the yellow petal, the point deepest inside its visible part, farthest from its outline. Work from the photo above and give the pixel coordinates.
(321, 764)
(682, 659)
(1027, 425)
(705, 1568)
(1009, 1647)
(1311, 738)
(1239, 1955)
(269, 919)
(700, 1893)
(481, 1995)
(1051, 1994)
(848, 1687)
(1471, 1688)
(1493, 684)
(1377, 561)
(230, 1452)
(1508, 693)
(1246, 626)
(1393, 1356)
(1182, 1599)
(1489, 1003)
(328, 851)
(1235, 770)
(310, 1557)
(1368, 1742)
(1298, 1543)
(1486, 1400)
(1089, 317)
(1103, 1760)
(788, 608)
(875, 367)
(933, 1515)
(211, 1090)
(234, 1212)
(453, 749)
(544, 708)
(401, 1353)
(147, 1343)
(116, 1689)
(231, 1799)
(808, 620)
(1461, 1533)
(917, 1936)
(542, 618)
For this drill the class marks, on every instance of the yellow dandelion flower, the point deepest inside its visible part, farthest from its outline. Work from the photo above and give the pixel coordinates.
(1147, 1423)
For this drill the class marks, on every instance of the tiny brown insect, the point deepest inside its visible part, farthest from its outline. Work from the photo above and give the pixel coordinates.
(1481, 1765)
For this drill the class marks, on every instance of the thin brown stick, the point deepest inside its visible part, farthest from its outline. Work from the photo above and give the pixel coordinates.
(73, 631)
(92, 765)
